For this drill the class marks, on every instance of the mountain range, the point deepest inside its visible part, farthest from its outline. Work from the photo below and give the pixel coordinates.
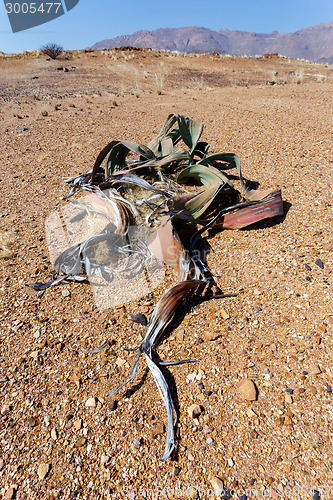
(313, 44)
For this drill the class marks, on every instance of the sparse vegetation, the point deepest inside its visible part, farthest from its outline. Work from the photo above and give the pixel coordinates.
(52, 50)
(159, 83)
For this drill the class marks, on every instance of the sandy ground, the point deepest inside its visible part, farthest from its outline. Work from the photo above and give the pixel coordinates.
(279, 446)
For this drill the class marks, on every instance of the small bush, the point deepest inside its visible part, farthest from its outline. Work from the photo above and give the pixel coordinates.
(52, 50)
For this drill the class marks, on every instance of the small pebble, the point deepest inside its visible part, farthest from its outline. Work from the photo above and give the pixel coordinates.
(314, 369)
(78, 424)
(137, 442)
(32, 422)
(194, 411)
(65, 292)
(307, 267)
(113, 405)
(9, 493)
(288, 399)
(301, 390)
(313, 390)
(257, 309)
(54, 434)
(80, 442)
(139, 318)
(247, 389)
(192, 493)
(316, 495)
(176, 470)
(104, 459)
(212, 334)
(217, 485)
(290, 391)
(90, 403)
(43, 470)
(328, 388)
(180, 334)
(319, 263)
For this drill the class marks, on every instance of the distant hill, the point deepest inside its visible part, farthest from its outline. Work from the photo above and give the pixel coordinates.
(314, 43)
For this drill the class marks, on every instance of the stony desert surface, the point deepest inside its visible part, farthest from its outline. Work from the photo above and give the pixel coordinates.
(61, 435)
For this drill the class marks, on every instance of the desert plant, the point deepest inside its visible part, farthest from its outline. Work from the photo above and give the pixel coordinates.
(52, 50)
(120, 193)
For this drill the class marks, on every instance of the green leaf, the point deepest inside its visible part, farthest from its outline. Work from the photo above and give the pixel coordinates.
(208, 176)
(117, 156)
(199, 204)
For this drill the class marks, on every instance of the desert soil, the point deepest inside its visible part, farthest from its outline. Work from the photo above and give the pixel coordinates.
(276, 114)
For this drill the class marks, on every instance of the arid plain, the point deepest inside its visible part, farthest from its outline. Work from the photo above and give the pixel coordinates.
(276, 114)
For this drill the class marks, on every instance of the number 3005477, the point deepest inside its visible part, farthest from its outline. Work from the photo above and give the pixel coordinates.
(33, 8)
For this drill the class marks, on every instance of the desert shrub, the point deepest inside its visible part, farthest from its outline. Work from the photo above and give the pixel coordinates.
(52, 50)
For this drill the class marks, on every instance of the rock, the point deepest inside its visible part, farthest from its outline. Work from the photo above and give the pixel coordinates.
(192, 493)
(217, 485)
(65, 292)
(288, 398)
(104, 459)
(180, 335)
(9, 493)
(120, 362)
(80, 442)
(307, 267)
(231, 462)
(34, 355)
(23, 129)
(211, 334)
(194, 411)
(328, 388)
(319, 263)
(32, 422)
(224, 314)
(54, 434)
(113, 405)
(314, 369)
(176, 470)
(257, 309)
(137, 442)
(139, 318)
(157, 429)
(78, 424)
(5, 409)
(313, 390)
(90, 403)
(247, 389)
(43, 470)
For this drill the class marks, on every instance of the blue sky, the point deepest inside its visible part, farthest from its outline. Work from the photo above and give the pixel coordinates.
(94, 20)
